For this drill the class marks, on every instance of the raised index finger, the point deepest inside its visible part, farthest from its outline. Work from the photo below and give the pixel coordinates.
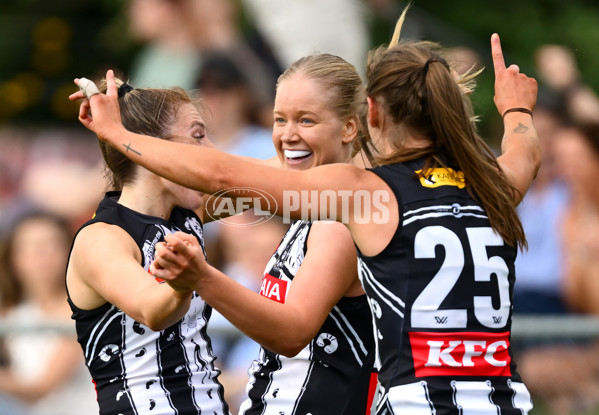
(497, 53)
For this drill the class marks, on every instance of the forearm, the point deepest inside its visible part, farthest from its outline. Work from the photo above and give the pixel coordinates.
(521, 151)
(154, 305)
(277, 327)
(210, 171)
(520, 135)
(160, 310)
(189, 165)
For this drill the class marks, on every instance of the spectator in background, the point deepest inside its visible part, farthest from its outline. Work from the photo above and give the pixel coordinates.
(542, 283)
(539, 269)
(169, 54)
(176, 34)
(239, 112)
(54, 169)
(578, 161)
(566, 377)
(558, 70)
(45, 369)
(303, 27)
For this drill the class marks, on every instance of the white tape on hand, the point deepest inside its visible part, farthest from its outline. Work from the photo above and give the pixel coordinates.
(88, 87)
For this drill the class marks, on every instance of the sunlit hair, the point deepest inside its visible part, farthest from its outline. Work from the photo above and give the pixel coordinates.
(345, 91)
(149, 111)
(414, 83)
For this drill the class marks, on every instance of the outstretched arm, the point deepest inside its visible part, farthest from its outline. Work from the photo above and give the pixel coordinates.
(210, 171)
(521, 151)
(285, 322)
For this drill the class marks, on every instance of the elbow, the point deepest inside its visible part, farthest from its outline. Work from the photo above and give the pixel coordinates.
(155, 325)
(289, 351)
(291, 346)
(220, 179)
(156, 322)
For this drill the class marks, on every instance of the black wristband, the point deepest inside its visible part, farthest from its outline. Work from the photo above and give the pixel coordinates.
(524, 110)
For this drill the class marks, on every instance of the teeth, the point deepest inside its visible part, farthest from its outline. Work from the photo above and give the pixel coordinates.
(293, 154)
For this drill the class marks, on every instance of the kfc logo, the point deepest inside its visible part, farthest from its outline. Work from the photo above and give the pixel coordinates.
(453, 354)
(274, 288)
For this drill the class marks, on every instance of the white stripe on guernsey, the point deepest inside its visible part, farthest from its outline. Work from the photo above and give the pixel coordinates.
(205, 388)
(442, 207)
(98, 324)
(352, 330)
(349, 340)
(376, 286)
(521, 398)
(254, 367)
(144, 393)
(104, 327)
(474, 398)
(288, 384)
(440, 214)
(411, 399)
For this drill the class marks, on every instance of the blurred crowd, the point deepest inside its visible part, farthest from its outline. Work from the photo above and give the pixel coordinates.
(51, 180)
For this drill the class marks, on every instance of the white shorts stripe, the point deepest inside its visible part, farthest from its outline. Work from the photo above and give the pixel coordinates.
(411, 399)
(474, 398)
(521, 398)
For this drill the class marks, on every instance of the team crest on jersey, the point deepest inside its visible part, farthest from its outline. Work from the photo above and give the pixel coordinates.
(149, 246)
(274, 288)
(442, 177)
(192, 224)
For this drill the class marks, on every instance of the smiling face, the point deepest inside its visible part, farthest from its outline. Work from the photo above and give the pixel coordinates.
(307, 131)
(189, 127)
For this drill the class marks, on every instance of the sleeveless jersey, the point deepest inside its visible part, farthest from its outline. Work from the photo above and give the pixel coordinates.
(331, 375)
(441, 297)
(139, 371)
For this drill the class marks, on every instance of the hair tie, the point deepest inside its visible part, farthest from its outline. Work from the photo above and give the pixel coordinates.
(427, 63)
(124, 88)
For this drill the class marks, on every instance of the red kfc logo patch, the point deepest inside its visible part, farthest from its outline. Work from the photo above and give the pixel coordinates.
(460, 353)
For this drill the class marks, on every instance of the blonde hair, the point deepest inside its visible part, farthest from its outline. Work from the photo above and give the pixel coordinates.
(414, 82)
(345, 91)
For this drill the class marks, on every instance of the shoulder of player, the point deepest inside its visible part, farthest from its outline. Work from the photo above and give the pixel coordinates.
(100, 237)
(329, 232)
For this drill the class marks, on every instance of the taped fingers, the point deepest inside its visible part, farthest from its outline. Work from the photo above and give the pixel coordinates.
(88, 87)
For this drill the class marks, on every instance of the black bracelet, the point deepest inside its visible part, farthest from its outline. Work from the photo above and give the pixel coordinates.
(524, 110)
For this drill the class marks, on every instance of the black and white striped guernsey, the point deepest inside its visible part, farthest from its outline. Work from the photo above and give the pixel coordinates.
(441, 294)
(137, 370)
(331, 375)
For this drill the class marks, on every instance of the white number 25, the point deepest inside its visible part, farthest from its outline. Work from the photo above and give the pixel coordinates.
(425, 310)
